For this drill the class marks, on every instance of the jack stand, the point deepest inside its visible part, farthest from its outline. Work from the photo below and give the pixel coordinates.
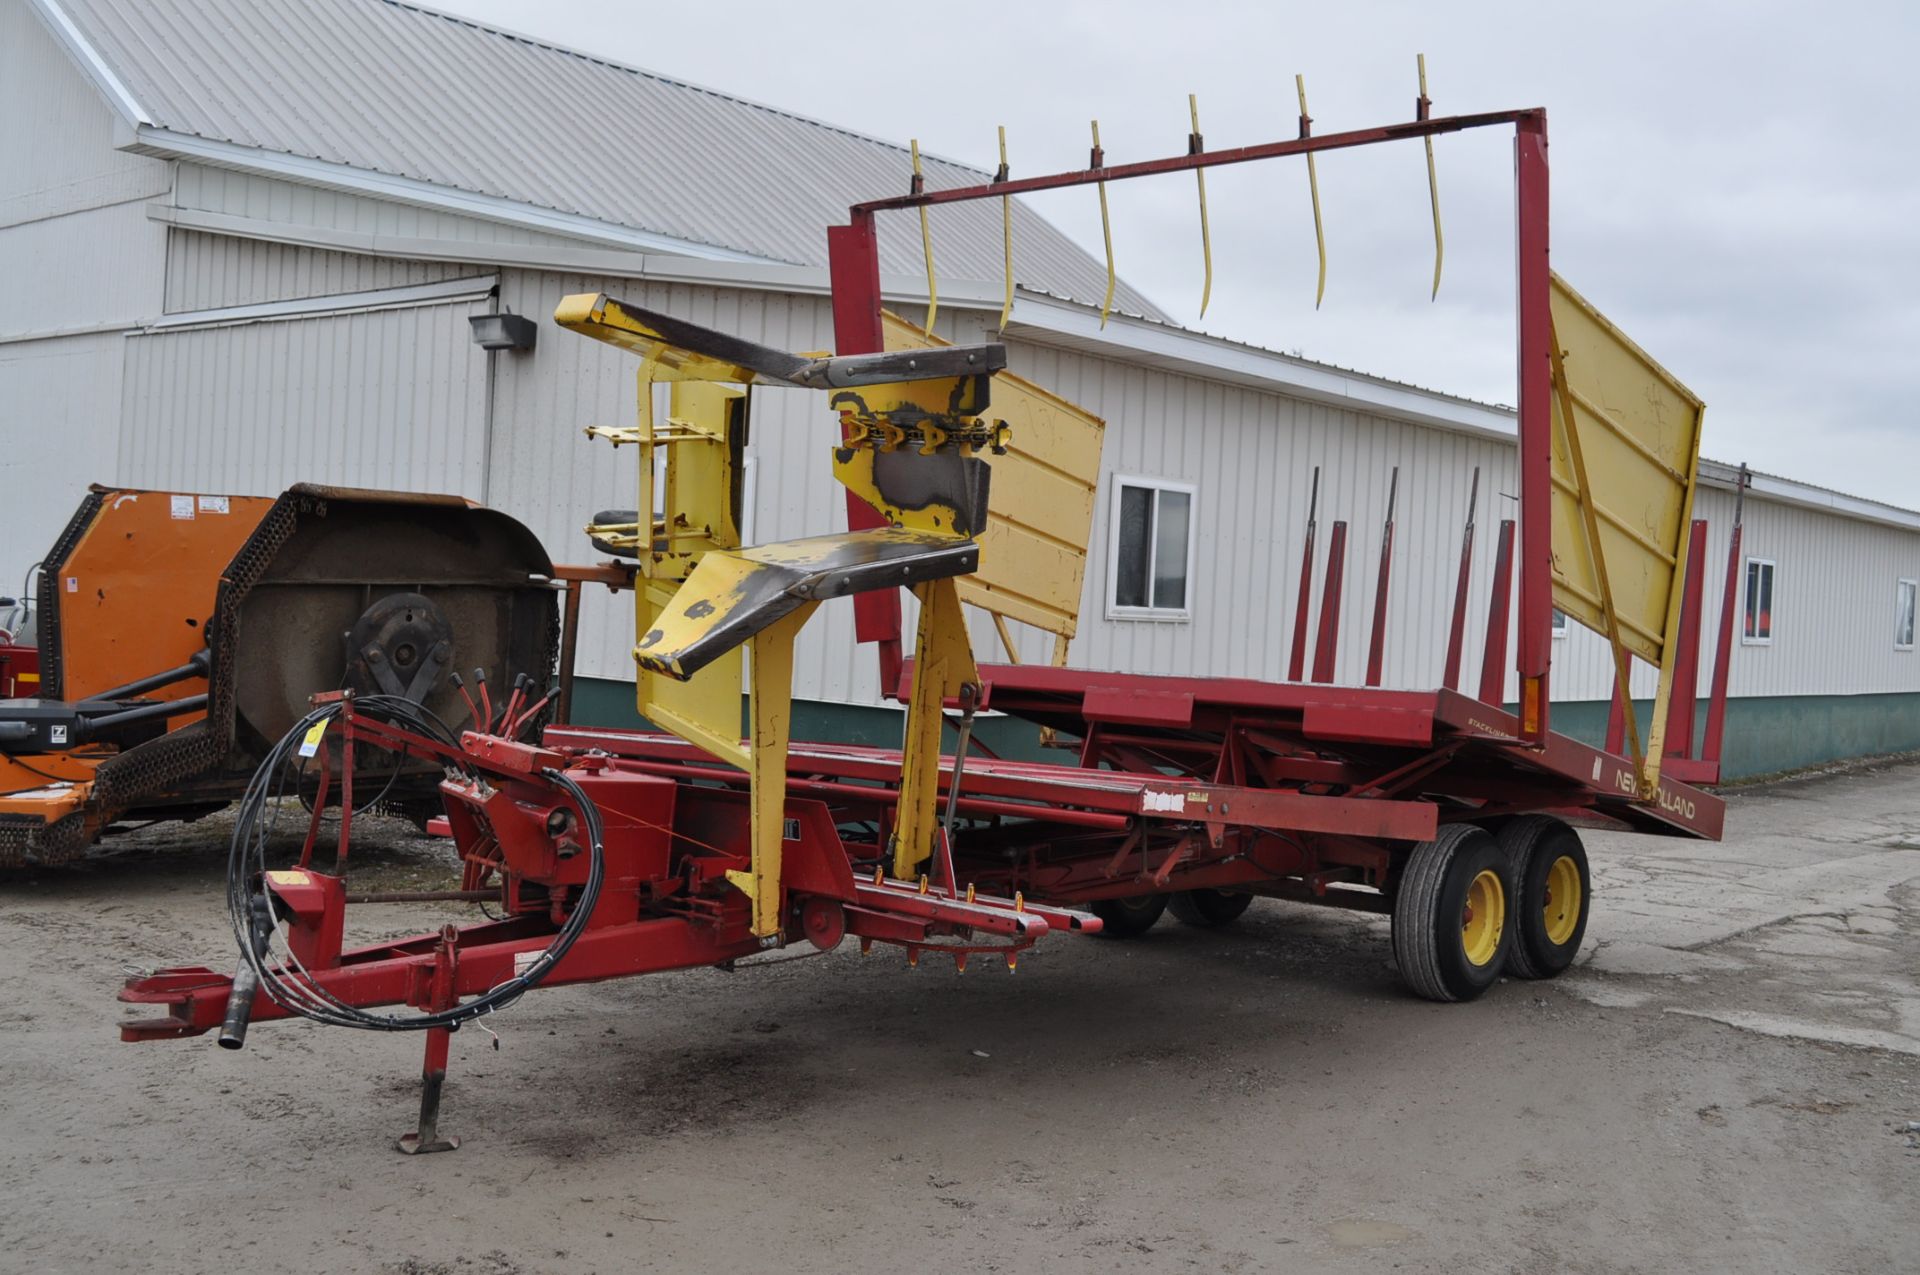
(433, 1078)
(426, 1138)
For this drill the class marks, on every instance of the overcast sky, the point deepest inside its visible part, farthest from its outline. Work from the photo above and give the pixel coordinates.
(1733, 183)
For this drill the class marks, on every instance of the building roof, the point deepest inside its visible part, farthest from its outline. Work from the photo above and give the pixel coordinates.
(416, 96)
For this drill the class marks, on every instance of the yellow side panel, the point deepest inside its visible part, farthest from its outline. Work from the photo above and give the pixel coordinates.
(1639, 431)
(705, 707)
(1033, 554)
(703, 491)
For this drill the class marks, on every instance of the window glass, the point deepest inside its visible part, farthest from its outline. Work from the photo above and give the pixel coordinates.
(1759, 607)
(1903, 614)
(1152, 539)
(1136, 547)
(1171, 528)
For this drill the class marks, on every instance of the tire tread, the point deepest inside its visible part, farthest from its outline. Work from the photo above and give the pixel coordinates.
(1415, 944)
(1520, 840)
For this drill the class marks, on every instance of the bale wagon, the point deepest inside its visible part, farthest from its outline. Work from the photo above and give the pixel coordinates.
(615, 853)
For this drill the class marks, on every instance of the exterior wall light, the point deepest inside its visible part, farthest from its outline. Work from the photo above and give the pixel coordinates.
(503, 331)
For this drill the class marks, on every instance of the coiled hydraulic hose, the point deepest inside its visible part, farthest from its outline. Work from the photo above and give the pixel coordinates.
(286, 982)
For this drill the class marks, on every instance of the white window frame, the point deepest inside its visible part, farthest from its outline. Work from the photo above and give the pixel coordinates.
(1910, 587)
(1773, 595)
(1175, 614)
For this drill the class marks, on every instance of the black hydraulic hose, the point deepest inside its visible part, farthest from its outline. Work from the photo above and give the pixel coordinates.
(285, 983)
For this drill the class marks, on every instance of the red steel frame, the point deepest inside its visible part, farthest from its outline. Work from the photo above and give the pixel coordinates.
(665, 903)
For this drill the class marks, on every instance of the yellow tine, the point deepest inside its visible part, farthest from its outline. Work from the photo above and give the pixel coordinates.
(926, 242)
(1313, 185)
(1433, 187)
(1194, 145)
(1006, 230)
(1106, 226)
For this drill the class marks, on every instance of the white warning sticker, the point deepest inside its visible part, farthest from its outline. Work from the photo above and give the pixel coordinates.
(213, 504)
(73, 584)
(523, 961)
(181, 506)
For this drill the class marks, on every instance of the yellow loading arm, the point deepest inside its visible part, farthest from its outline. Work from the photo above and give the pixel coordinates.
(913, 435)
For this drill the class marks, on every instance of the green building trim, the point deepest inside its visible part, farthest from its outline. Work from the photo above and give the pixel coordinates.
(1765, 735)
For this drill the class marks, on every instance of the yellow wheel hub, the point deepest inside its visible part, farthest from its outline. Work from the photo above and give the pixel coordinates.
(1484, 918)
(1560, 910)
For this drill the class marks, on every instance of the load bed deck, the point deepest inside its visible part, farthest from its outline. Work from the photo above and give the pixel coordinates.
(1352, 761)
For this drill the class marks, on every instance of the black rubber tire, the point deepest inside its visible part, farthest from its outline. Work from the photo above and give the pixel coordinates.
(1532, 844)
(1208, 909)
(1128, 918)
(616, 517)
(1428, 942)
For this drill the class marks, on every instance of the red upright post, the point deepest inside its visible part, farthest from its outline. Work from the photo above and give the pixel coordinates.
(853, 258)
(1457, 634)
(1297, 665)
(1329, 637)
(1686, 662)
(1377, 644)
(1723, 656)
(1493, 661)
(1535, 652)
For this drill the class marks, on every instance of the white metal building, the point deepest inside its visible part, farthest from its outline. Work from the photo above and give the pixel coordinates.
(240, 244)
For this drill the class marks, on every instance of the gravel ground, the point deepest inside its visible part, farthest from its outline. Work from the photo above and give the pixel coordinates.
(1725, 1082)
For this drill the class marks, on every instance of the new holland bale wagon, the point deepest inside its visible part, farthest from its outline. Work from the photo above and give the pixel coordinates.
(609, 853)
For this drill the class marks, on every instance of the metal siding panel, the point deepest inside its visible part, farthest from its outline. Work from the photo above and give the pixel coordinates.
(58, 400)
(98, 266)
(252, 408)
(1251, 455)
(56, 151)
(208, 272)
